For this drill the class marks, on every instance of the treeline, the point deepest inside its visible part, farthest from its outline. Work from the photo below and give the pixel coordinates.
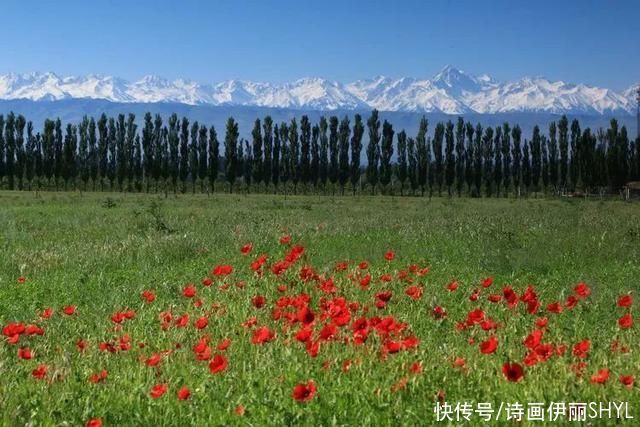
(178, 156)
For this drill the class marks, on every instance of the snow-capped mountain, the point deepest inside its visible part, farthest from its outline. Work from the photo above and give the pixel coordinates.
(451, 91)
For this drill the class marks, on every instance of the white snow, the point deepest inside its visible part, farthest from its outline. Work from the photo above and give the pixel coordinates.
(450, 91)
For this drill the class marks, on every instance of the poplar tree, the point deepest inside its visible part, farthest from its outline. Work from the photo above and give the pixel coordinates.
(563, 129)
(20, 151)
(478, 151)
(545, 163)
(516, 134)
(231, 152)
(267, 128)
(248, 165)
(132, 129)
(450, 160)
(285, 162)
(159, 150)
(214, 158)
(333, 151)
(184, 153)
(70, 145)
(469, 157)
(148, 148)
(30, 155)
(48, 150)
(437, 156)
(526, 167)
(103, 149)
(58, 156)
(412, 168)
(3, 148)
(536, 157)
(83, 151)
(460, 156)
(422, 154)
(506, 158)
(314, 168)
(194, 158)
(138, 173)
(373, 150)
(275, 167)
(356, 150)
(487, 143)
(294, 155)
(574, 165)
(121, 152)
(401, 167)
(386, 154)
(10, 152)
(497, 159)
(305, 150)
(203, 148)
(256, 158)
(94, 155)
(343, 150)
(323, 165)
(553, 156)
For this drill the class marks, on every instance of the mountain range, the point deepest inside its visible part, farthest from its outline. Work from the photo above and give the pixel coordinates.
(451, 91)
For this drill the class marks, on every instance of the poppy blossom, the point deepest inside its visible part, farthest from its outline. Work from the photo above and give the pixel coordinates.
(189, 291)
(582, 290)
(486, 282)
(258, 301)
(581, 349)
(627, 380)
(158, 390)
(246, 249)
(98, 377)
(304, 392)
(451, 287)
(262, 335)
(414, 292)
(389, 255)
(625, 301)
(25, 353)
(489, 346)
(218, 364)
(40, 372)
(148, 296)
(46, 313)
(285, 240)
(69, 310)
(21, 280)
(626, 321)
(363, 265)
(222, 270)
(94, 422)
(601, 377)
(512, 372)
(224, 344)
(201, 322)
(184, 393)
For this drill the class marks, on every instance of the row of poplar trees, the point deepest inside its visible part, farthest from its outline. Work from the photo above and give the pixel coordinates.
(324, 157)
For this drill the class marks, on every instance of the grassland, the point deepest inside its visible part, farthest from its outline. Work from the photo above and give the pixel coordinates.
(99, 251)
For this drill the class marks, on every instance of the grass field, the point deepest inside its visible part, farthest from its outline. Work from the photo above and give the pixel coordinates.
(98, 252)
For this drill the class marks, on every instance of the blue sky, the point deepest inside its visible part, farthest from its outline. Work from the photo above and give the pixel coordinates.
(596, 42)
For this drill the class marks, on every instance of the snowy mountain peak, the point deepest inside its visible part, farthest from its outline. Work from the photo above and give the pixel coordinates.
(451, 91)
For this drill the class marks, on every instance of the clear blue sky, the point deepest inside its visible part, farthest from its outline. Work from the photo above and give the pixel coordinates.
(596, 42)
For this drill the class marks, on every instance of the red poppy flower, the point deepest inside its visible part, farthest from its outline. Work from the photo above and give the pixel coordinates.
(33, 330)
(158, 390)
(439, 312)
(365, 281)
(218, 364)
(262, 335)
(69, 310)
(201, 322)
(582, 290)
(487, 282)
(542, 322)
(582, 348)
(224, 344)
(627, 380)
(222, 270)
(246, 249)
(189, 291)
(285, 240)
(184, 393)
(46, 313)
(148, 296)
(94, 422)
(389, 255)
(601, 377)
(25, 353)
(554, 307)
(626, 321)
(40, 372)
(81, 345)
(98, 377)
(304, 392)
(182, 321)
(239, 410)
(258, 301)
(451, 287)
(363, 265)
(342, 266)
(625, 301)
(512, 372)
(21, 279)
(416, 368)
(489, 346)
(153, 360)
(414, 292)
(459, 362)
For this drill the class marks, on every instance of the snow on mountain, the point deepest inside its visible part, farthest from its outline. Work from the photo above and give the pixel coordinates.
(451, 91)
